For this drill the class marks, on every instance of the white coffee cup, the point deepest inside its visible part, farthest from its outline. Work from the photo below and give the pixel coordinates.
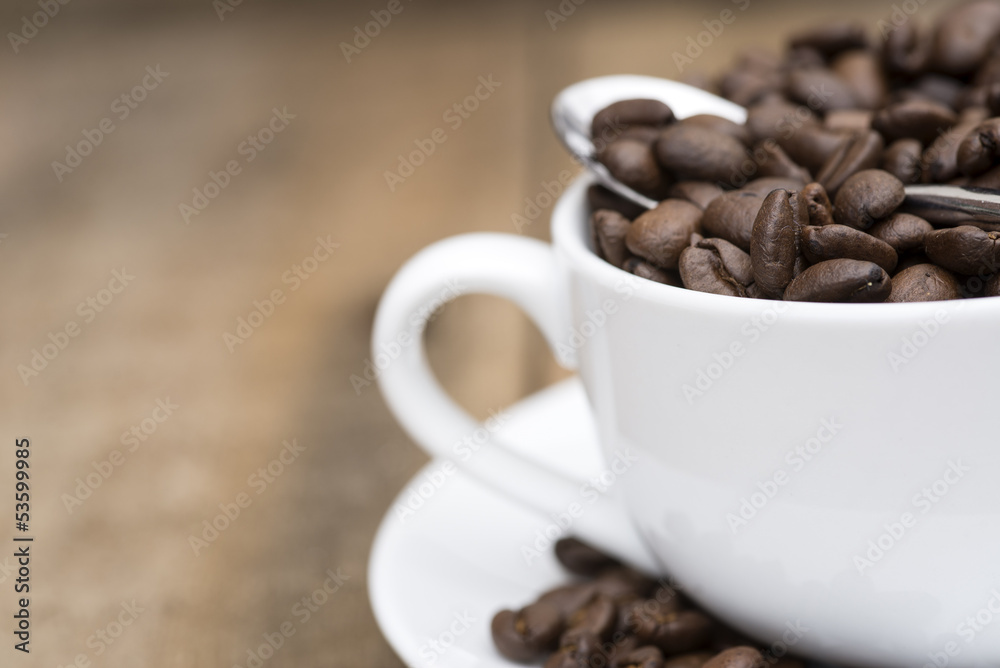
(825, 477)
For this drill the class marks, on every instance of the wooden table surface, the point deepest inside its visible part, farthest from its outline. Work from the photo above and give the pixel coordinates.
(156, 335)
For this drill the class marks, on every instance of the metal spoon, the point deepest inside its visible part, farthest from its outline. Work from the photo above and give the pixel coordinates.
(574, 108)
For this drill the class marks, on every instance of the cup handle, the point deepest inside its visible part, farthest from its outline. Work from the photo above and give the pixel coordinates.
(526, 272)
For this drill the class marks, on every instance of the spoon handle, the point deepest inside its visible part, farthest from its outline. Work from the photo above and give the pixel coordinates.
(954, 205)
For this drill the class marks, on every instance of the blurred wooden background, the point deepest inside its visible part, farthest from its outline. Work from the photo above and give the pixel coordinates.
(162, 337)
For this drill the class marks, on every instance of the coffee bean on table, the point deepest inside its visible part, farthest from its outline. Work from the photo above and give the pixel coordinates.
(582, 559)
(866, 197)
(965, 250)
(924, 283)
(609, 123)
(903, 231)
(774, 243)
(839, 241)
(697, 153)
(840, 280)
(611, 228)
(527, 634)
(659, 235)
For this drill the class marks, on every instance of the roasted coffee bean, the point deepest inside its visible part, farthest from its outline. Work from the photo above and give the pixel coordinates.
(924, 283)
(902, 160)
(922, 120)
(966, 250)
(718, 124)
(690, 660)
(813, 146)
(840, 281)
(643, 269)
(774, 242)
(646, 134)
(803, 84)
(674, 632)
(849, 120)
(911, 260)
(766, 185)
(731, 216)
(861, 72)
(699, 193)
(903, 231)
(599, 197)
(939, 162)
(772, 160)
(832, 37)
(581, 638)
(992, 287)
(774, 119)
(609, 123)
(818, 204)
(659, 235)
(581, 559)
(623, 584)
(726, 637)
(988, 179)
(526, 635)
(862, 151)
(979, 150)
(906, 50)
(737, 657)
(634, 164)
(839, 241)
(964, 37)
(649, 656)
(866, 197)
(698, 153)
(716, 266)
(746, 87)
(569, 598)
(611, 228)
(598, 616)
(788, 662)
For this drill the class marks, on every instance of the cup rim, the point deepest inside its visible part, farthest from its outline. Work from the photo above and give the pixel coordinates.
(570, 236)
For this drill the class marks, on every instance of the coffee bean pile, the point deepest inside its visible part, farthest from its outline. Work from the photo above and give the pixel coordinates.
(805, 201)
(619, 618)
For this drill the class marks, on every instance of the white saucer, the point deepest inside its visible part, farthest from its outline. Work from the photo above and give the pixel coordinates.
(459, 554)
